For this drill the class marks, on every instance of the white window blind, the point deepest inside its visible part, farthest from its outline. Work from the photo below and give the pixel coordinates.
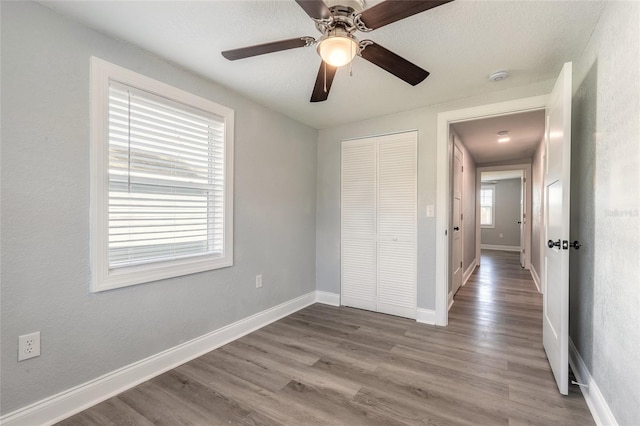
(166, 179)
(161, 180)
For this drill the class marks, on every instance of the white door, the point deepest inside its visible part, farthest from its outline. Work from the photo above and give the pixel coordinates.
(358, 251)
(456, 223)
(555, 330)
(397, 217)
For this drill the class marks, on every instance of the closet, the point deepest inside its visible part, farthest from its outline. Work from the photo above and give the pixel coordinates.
(378, 223)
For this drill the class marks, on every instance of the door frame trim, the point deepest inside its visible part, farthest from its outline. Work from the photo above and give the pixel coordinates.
(443, 190)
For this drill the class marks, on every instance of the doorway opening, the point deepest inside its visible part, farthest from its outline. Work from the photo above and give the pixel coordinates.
(491, 189)
(452, 128)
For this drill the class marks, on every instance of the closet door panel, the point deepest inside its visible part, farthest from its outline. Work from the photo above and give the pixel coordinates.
(358, 207)
(397, 204)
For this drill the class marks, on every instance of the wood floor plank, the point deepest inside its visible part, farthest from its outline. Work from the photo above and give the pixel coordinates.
(112, 412)
(327, 365)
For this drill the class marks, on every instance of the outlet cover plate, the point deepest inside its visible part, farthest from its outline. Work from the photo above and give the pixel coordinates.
(28, 346)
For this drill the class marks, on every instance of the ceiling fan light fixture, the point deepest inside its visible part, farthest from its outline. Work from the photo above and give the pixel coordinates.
(338, 49)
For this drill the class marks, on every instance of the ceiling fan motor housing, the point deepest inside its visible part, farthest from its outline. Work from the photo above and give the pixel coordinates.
(357, 5)
(343, 17)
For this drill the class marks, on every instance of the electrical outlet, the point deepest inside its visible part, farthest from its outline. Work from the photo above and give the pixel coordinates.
(28, 346)
(259, 281)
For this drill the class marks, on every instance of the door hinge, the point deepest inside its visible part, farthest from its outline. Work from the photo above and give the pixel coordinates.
(524, 179)
(461, 263)
(461, 216)
(461, 169)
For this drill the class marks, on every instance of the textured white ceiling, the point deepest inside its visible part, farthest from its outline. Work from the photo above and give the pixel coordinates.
(481, 136)
(460, 43)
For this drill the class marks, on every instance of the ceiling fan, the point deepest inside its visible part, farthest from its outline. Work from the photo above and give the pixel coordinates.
(337, 21)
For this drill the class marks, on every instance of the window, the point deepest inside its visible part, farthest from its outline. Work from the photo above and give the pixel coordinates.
(162, 173)
(487, 207)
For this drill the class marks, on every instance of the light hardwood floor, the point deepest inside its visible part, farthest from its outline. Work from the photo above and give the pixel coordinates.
(341, 366)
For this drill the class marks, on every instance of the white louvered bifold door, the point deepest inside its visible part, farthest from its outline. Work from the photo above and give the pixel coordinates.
(379, 195)
(397, 193)
(359, 224)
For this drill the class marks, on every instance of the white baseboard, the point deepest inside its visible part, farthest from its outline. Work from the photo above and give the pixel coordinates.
(536, 278)
(426, 316)
(467, 274)
(328, 298)
(595, 401)
(450, 304)
(496, 247)
(74, 400)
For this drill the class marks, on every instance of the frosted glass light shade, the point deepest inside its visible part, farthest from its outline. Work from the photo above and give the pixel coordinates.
(338, 51)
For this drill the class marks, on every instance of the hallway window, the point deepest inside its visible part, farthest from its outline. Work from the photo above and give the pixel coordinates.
(487, 207)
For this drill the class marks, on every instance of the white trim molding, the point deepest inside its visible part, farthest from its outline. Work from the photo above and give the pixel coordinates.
(328, 298)
(595, 400)
(67, 403)
(536, 278)
(426, 316)
(469, 271)
(498, 247)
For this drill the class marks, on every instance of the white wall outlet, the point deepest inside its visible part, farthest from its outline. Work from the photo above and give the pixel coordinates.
(259, 281)
(28, 346)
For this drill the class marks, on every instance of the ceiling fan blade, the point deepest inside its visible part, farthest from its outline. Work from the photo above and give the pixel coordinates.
(390, 62)
(323, 80)
(392, 10)
(261, 49)
(316, 9)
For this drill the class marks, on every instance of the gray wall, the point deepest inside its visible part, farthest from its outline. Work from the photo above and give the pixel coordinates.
(537, 206)
(468, 204)
(605, 208)
(507, 204)
(328, 202)
(45, 215)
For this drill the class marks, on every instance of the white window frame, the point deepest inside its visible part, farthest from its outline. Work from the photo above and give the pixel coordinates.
(493, 206)
(102, 277)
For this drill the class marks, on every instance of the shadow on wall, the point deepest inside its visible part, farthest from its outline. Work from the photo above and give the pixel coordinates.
(581, 262)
